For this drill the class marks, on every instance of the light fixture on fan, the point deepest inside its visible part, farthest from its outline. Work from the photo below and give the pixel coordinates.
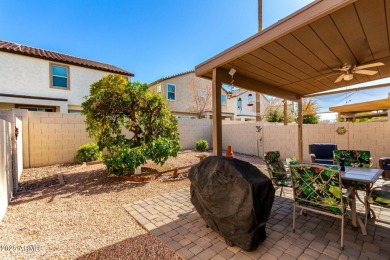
(348, 76)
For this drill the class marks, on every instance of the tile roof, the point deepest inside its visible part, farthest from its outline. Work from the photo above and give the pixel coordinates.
(172, 76)
(59, 57)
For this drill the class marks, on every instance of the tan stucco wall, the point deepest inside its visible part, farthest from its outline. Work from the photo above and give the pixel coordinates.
(187, 86)
(5, 166)
(15, 116)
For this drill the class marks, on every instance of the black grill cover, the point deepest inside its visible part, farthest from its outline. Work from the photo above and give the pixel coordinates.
(234, 198)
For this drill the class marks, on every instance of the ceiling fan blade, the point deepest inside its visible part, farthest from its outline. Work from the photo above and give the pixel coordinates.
(340, 78)
(327, 76)
(376, 64)
(366, 72)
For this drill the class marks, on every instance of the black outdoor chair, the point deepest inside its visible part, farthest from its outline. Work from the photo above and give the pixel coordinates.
(322, 153)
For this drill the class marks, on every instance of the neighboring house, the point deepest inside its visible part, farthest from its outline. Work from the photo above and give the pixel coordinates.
(41, 80)
(243, 104)
(189, 96)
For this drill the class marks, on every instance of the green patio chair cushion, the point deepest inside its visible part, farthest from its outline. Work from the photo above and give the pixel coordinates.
(353, 158)
(273, 161)
(380, 198)
(276, 169)
(319, 187)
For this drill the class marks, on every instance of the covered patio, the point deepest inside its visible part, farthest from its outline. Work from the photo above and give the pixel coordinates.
(302, 55)
(173, 219)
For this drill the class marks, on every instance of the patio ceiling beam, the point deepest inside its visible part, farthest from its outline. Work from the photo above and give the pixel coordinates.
(244, 82)
(305, 16)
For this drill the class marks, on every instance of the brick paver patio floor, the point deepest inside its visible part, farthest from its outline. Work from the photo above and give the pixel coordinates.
(173, 219)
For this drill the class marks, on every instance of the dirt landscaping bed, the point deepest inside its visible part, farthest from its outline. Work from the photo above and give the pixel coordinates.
(84, 218)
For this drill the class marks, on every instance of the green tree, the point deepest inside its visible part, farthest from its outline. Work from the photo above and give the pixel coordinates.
(274, 115)
(309, 113)
(130, 123)
(311, 119)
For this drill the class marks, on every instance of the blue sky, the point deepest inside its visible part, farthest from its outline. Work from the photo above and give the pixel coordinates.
(151, 38)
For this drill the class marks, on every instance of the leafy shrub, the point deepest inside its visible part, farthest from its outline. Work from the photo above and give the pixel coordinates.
(311, 119)
(124, 159)
(88, 152)
(115, 107)
(274, 116)
(202, 145)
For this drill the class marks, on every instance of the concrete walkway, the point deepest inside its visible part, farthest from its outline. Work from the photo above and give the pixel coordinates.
(173, 219)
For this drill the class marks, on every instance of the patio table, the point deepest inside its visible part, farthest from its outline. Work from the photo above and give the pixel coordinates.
(368, 176)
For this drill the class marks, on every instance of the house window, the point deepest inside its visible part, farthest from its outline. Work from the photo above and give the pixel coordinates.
(158, 88)
(239, 103)
(74, 111)
(59, 76)
(37, 108)
(223, 99)
(250, 100)
(171, 92)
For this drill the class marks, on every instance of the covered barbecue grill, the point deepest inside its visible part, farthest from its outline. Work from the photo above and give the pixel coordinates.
(234, 198)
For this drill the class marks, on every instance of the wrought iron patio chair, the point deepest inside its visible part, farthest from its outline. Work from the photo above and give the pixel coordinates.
(378, 196)
(318, 189)
(277, 172)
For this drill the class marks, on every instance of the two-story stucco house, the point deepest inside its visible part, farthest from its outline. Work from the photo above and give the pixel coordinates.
(189, 96)
(243, 104)
(42, 80)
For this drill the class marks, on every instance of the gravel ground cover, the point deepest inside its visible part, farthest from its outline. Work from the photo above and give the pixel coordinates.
(84, 219)
(34, 178)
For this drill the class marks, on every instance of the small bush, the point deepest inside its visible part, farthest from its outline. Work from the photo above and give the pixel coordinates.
(202, 145)
(124, 160)
(89, 152)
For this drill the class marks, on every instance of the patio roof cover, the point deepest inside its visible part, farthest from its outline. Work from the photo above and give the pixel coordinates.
(379, 104)
(300, 54)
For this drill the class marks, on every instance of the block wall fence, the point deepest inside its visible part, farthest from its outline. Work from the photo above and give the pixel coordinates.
(372, 136)
(50, 138)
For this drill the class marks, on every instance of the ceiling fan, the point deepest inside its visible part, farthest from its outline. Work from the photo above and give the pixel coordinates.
(349, 70)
